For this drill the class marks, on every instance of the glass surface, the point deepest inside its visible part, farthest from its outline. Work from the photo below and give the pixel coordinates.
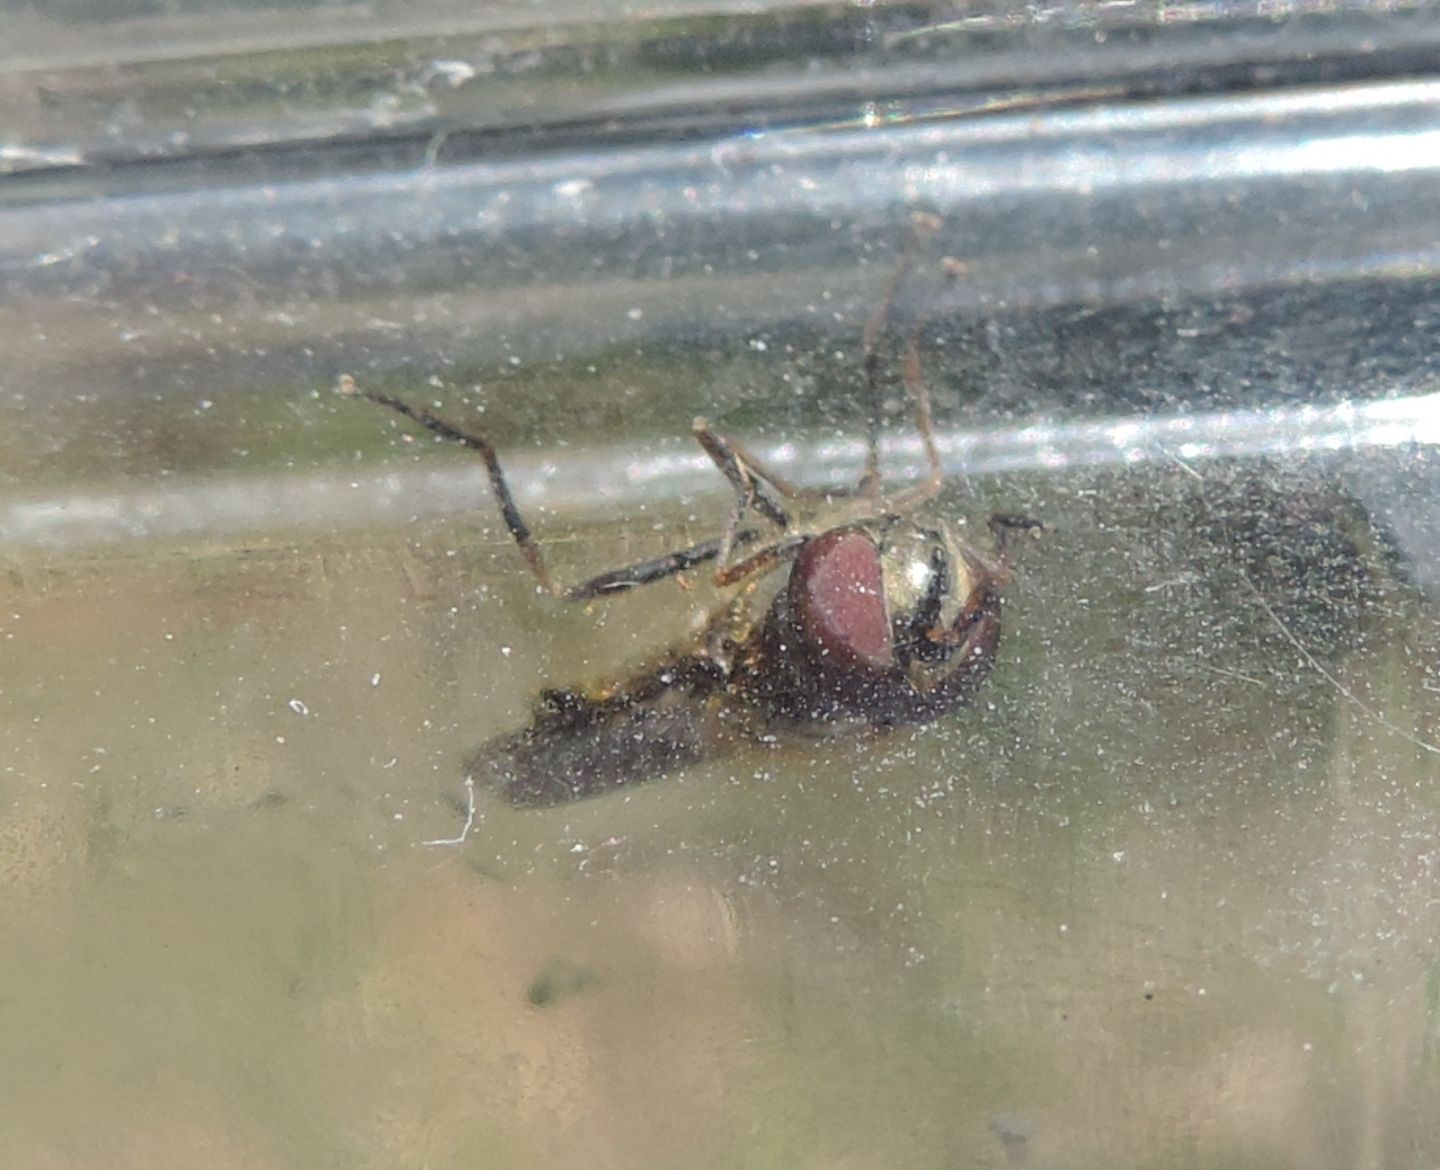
(1164, 895)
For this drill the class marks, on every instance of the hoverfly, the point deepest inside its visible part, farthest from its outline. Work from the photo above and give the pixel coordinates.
(888, 615)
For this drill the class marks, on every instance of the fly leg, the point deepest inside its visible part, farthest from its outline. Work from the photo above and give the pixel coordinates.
(1004, 525)
(762, 560)
(749, 478)
(657, 569)
(922, 226)
(614, 581)
(934, 480)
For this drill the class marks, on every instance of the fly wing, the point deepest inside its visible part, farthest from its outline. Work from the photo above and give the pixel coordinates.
(580, 744)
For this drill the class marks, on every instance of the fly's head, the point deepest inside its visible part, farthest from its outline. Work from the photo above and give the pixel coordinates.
(893, 620)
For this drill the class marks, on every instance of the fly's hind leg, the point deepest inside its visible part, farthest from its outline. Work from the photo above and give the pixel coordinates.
(645, 572)
(614, 581)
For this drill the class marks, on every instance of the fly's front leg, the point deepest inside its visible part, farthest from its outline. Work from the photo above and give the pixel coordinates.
(602, 585)
(924, 423)
(1003, 525)
(910, 369)
(923, 225)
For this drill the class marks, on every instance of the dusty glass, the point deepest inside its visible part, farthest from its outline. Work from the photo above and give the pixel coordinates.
(1163, 894)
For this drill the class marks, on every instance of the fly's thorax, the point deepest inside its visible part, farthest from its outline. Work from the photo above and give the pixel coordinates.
(928, 574)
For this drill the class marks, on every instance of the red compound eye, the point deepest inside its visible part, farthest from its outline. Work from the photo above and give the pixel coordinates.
(838, 593)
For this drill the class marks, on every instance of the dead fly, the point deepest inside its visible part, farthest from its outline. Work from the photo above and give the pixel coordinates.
(887, 616)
